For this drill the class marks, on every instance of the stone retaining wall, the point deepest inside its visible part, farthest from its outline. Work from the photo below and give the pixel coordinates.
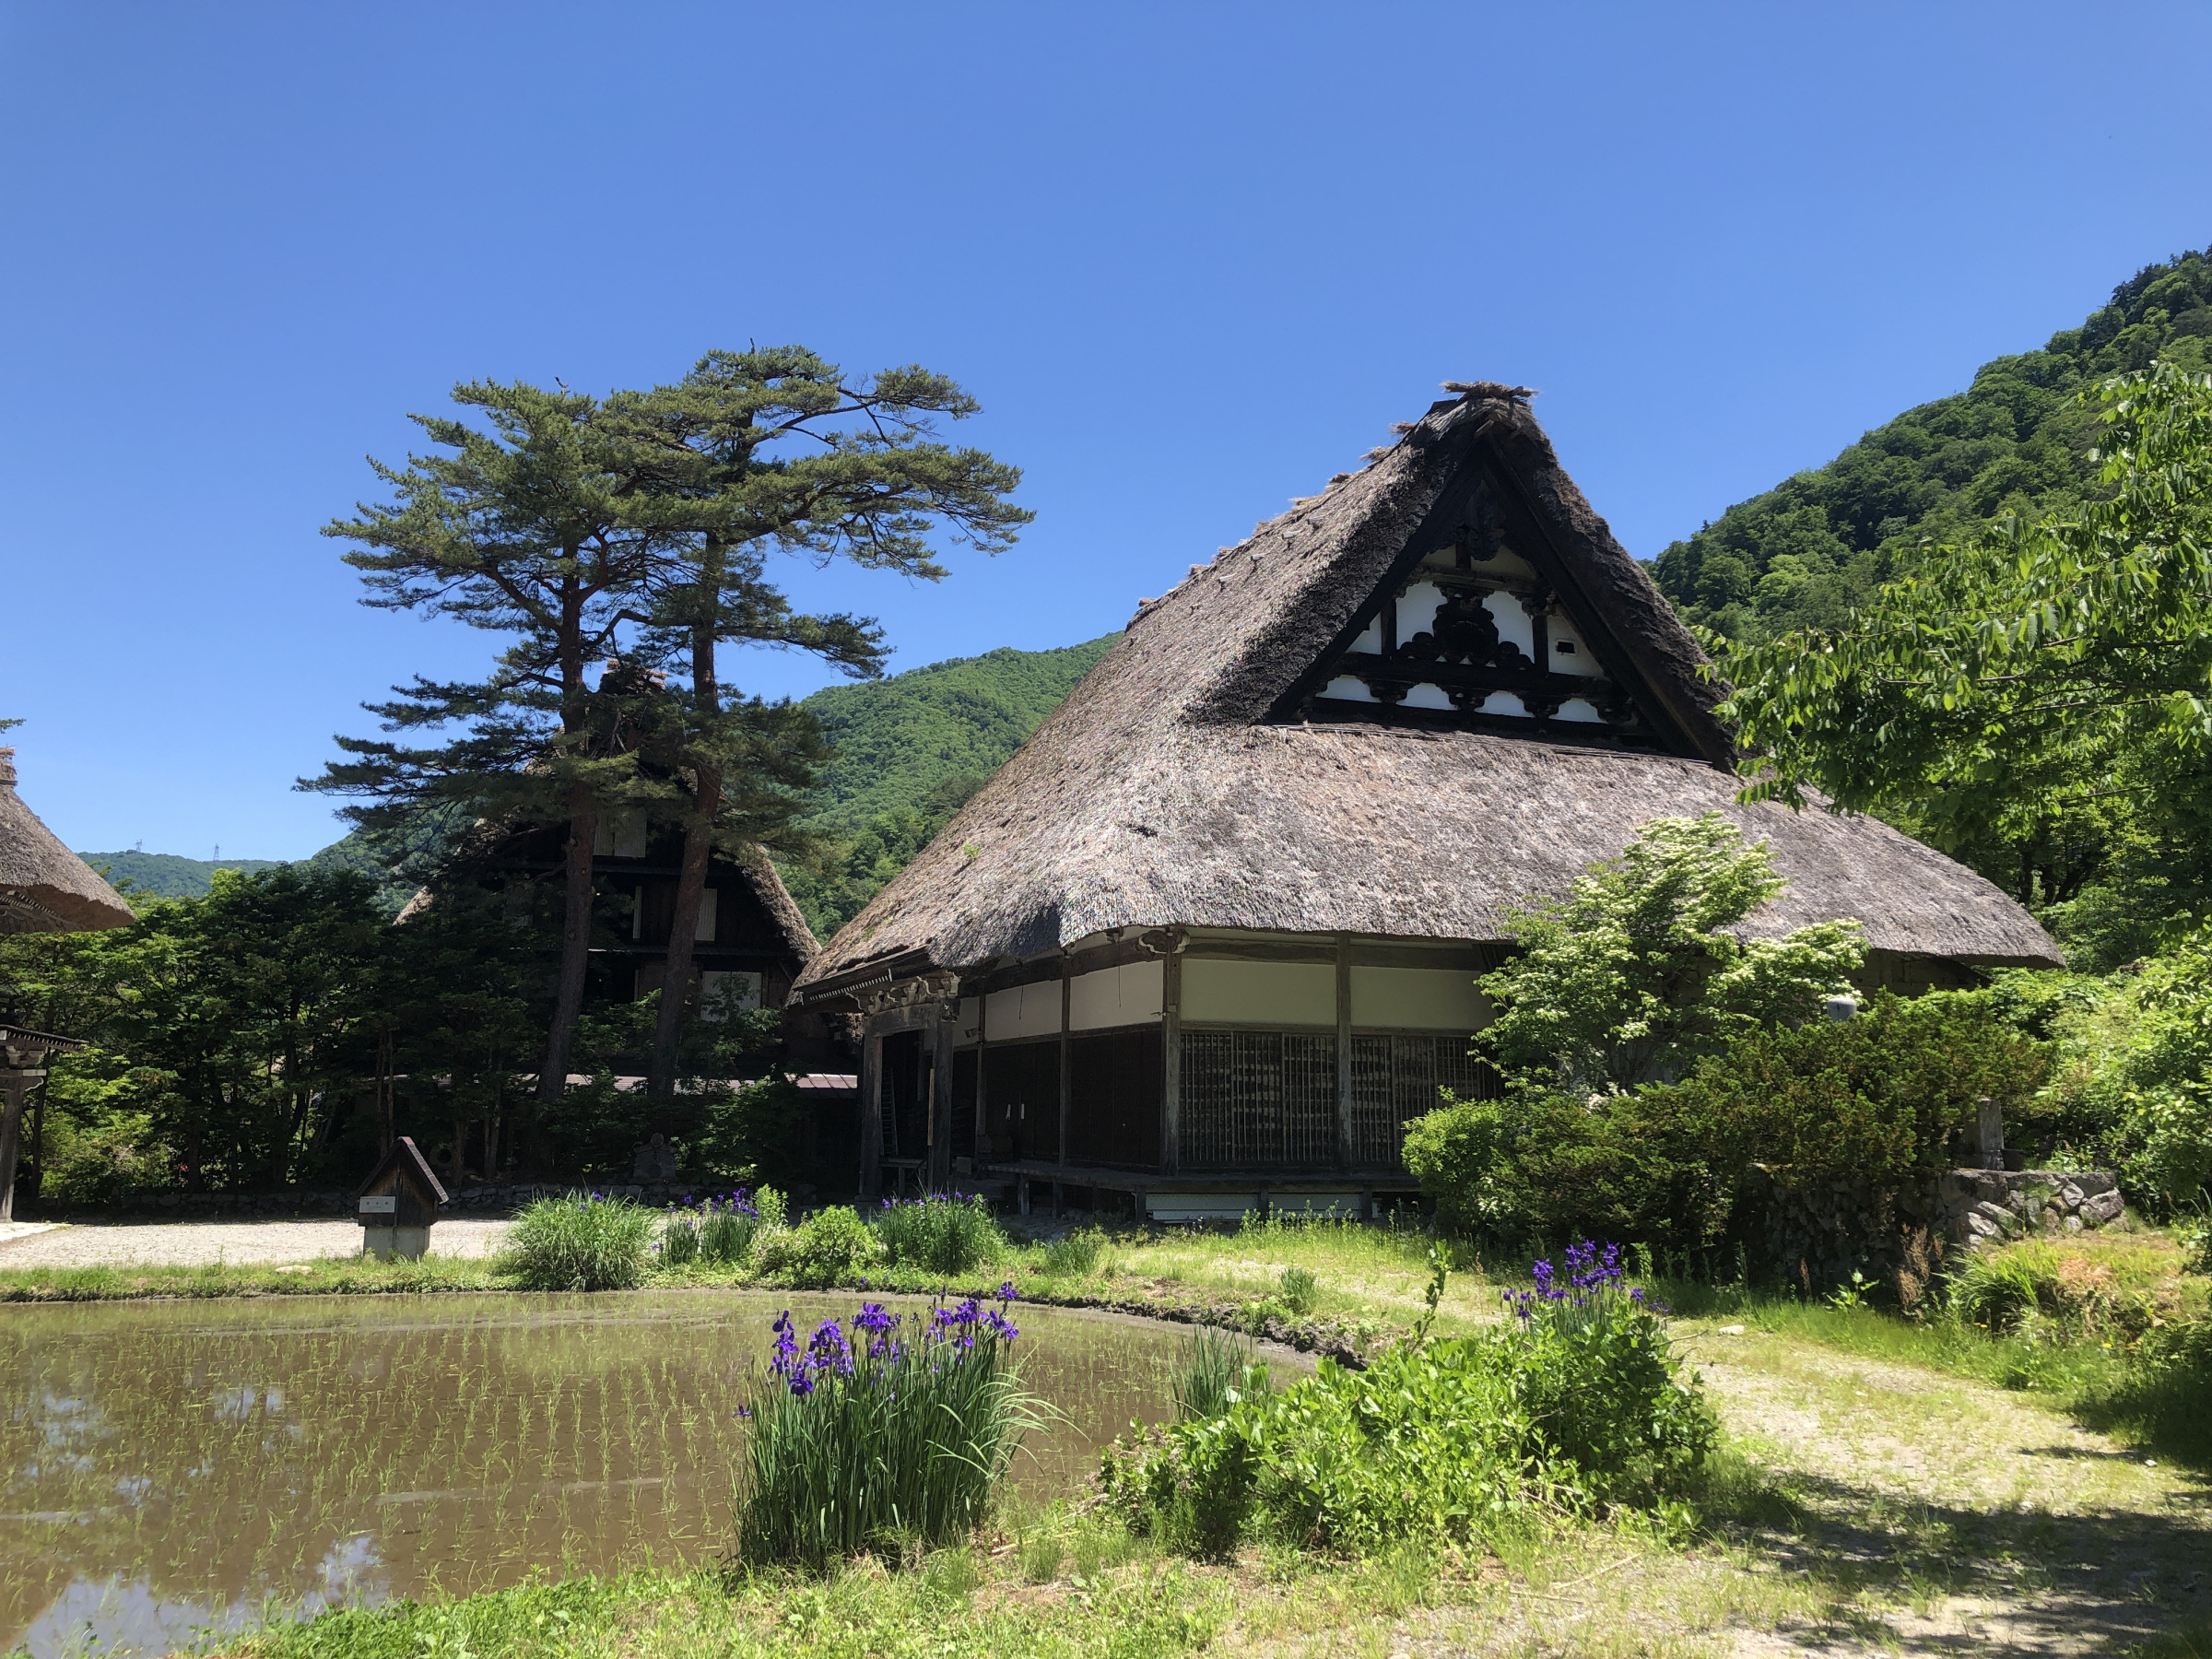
(1816, 1234)
(2002, 1204)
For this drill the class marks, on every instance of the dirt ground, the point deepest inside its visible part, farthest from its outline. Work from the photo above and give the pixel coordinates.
(202, 1243)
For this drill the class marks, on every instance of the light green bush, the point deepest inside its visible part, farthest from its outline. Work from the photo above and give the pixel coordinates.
(1074, 1255)
(827, 1248)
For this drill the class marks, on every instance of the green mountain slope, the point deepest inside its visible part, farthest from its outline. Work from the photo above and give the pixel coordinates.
(1803, 552)
(910, 750)
(168, 875)
(944, 728)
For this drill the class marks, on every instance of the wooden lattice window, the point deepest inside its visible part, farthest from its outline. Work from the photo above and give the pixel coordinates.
(1258, 1098)
(1395, 1079)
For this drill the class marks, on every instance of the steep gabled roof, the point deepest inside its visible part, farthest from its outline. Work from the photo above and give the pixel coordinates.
(1230, 763)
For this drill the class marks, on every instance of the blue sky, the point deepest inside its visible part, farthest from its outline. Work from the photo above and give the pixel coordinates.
(1193, 259)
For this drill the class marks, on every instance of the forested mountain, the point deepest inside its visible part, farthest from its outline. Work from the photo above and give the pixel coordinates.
(910, 750)
(168, 875)
(1806, 550)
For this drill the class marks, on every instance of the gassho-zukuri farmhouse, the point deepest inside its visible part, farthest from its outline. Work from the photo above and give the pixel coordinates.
(1210, 937)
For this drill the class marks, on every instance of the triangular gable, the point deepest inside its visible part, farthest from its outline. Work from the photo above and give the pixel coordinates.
(405, 1159)
(1486, 619)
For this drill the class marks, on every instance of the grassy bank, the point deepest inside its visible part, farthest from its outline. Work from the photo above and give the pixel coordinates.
(342, 1276)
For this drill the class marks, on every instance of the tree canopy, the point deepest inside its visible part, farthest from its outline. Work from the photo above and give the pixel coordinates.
(2050, 675)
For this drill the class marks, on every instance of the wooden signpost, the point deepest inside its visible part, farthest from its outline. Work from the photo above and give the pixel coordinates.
(398, 1203)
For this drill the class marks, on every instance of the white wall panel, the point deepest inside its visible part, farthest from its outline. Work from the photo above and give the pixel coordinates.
(1259, 994)
(1129, 994)
(969, 1022)
(1417, 999)
(1025, 1011)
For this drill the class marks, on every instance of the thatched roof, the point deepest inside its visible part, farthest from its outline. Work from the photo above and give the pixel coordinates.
(1203, 776)
(45, 888)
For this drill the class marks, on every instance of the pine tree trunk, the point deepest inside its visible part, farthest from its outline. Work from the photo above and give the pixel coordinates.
(699, 834)
(575, 945)
(690, 893)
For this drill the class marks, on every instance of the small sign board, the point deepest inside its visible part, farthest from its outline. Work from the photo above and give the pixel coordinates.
(387, 1204)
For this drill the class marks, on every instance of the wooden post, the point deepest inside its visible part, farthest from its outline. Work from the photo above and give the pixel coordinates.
(14, 1086)
(1170, 1048)
(1067, 1092)
(941, 1103)
(871, 1115)
(1344, 1053)
(983, 1059)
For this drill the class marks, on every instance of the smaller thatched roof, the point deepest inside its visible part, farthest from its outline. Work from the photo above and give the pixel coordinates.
(45, 888)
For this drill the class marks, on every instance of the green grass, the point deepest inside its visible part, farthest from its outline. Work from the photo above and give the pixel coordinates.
(343, 1276)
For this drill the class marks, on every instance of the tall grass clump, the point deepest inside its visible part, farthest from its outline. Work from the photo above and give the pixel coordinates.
(580, 1243)
(882, 1432)
(1216, 1370)
(1074, 1255)
(1578, 1404)
(939, 1233)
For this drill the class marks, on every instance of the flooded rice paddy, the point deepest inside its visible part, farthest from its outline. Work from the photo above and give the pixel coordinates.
(177, 1468)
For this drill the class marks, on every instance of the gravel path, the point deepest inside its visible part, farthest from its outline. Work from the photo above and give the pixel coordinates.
(199, 1243)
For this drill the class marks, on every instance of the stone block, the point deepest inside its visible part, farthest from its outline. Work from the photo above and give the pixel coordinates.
(2070, 1195)
(2104, 1209)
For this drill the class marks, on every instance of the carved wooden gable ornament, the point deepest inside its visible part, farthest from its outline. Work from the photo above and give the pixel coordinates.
(1482, 623)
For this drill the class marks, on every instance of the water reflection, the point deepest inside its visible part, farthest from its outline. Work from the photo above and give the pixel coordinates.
(176, 1470)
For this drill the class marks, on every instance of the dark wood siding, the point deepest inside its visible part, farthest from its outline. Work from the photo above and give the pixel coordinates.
(963, 1103)
(1115, 1084)
(1021, 1099)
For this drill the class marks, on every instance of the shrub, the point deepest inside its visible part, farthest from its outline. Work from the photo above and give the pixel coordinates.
(1578, 1404)
(580, 1243)
(1214, 1372)
(939, 1233)
(1875, 1096)
(881, 1434)
(1074, 1254)
(1301, 1290)
(829, 1246)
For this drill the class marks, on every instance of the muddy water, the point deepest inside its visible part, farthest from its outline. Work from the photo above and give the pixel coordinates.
(178, 1469)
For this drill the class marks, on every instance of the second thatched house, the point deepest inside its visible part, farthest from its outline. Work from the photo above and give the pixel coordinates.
(1213, 933)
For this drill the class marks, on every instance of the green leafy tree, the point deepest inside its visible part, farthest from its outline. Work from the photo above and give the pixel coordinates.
(1641, 970)
(2051, 672)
